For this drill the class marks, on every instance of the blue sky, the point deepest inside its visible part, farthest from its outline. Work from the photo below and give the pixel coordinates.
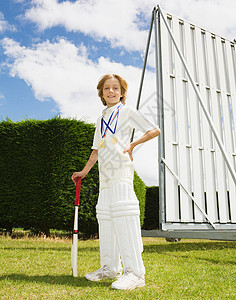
(18, 98)
(52, 53)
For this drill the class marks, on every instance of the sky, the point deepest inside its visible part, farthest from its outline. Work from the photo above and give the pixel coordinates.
(53, 52)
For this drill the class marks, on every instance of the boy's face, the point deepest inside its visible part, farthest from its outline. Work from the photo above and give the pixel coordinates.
(111, 92)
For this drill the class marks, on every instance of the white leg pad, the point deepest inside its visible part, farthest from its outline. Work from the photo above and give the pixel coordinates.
(109, 251)
(125, 216)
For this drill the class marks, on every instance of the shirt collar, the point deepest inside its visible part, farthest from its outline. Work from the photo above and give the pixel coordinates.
(110, 109)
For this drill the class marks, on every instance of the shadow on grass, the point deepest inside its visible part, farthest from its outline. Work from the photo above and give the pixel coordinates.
(183, 247)
(55, 280)
(171, 249)
(211, 260)
(63, 249)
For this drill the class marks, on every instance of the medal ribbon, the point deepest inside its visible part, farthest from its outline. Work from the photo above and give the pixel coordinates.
(110, 121)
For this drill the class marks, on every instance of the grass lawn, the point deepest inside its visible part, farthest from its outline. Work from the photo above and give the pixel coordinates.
(192, 269)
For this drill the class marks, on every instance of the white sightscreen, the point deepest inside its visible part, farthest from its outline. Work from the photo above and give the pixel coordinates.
(191, 150)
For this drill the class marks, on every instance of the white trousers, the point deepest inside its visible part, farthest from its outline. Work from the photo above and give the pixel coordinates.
(119, 227)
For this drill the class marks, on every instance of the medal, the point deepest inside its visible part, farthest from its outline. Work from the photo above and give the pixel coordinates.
(105, 126)
(114, 140)
(102, 144)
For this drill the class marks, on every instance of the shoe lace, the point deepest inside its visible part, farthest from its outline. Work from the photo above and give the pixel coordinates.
(105, 267)
(125, 275)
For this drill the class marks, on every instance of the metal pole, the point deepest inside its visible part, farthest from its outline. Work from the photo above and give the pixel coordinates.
(160, 115)
(144, 67)
(145, 60)
(208, 116)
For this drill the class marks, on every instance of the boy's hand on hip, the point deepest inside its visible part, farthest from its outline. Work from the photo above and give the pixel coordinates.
(129, 148)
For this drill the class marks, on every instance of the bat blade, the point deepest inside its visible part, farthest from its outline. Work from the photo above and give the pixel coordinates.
(74, 246)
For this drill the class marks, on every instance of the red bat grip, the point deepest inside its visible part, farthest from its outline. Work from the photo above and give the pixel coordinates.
(78, 187)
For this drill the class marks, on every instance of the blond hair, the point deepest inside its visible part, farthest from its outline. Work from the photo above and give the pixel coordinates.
(123, 87)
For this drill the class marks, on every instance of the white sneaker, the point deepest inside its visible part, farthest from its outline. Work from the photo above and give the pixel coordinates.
(128, 281)
(102, 273)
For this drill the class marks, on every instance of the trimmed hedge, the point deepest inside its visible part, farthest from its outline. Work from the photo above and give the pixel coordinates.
(140, 191)
(37, 159)
(151, 219)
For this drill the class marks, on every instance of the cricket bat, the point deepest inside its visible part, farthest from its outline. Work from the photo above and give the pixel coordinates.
(74, 246)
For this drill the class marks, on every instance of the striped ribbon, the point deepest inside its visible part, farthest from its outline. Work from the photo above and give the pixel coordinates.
(110, 121)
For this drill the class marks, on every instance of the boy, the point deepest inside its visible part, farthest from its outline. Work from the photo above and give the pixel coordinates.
(117, 208)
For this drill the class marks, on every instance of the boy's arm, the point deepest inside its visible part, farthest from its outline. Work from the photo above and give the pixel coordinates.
(90, 163)
(144, 138)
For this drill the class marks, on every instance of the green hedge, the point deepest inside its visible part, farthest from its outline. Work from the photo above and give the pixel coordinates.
(37, 159)
(140, 191)
(151, 219)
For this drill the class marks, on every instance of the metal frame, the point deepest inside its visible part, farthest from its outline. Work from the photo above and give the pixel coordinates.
(204, 230)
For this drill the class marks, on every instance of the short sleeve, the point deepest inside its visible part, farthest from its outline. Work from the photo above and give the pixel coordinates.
(96, 138)
(139, 122)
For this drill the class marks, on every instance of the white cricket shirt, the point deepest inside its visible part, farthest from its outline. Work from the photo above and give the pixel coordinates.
(111, 161)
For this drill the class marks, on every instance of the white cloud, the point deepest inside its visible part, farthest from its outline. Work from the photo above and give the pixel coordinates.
(121, 22)
(4, 25)
(117, 21)
(62, 72)
(2, 99)
(1, 96)
(59, 71)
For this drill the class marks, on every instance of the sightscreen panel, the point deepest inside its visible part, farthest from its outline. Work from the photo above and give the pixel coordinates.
(191, 150)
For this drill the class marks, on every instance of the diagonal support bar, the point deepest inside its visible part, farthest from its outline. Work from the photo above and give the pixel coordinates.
(188, 193)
